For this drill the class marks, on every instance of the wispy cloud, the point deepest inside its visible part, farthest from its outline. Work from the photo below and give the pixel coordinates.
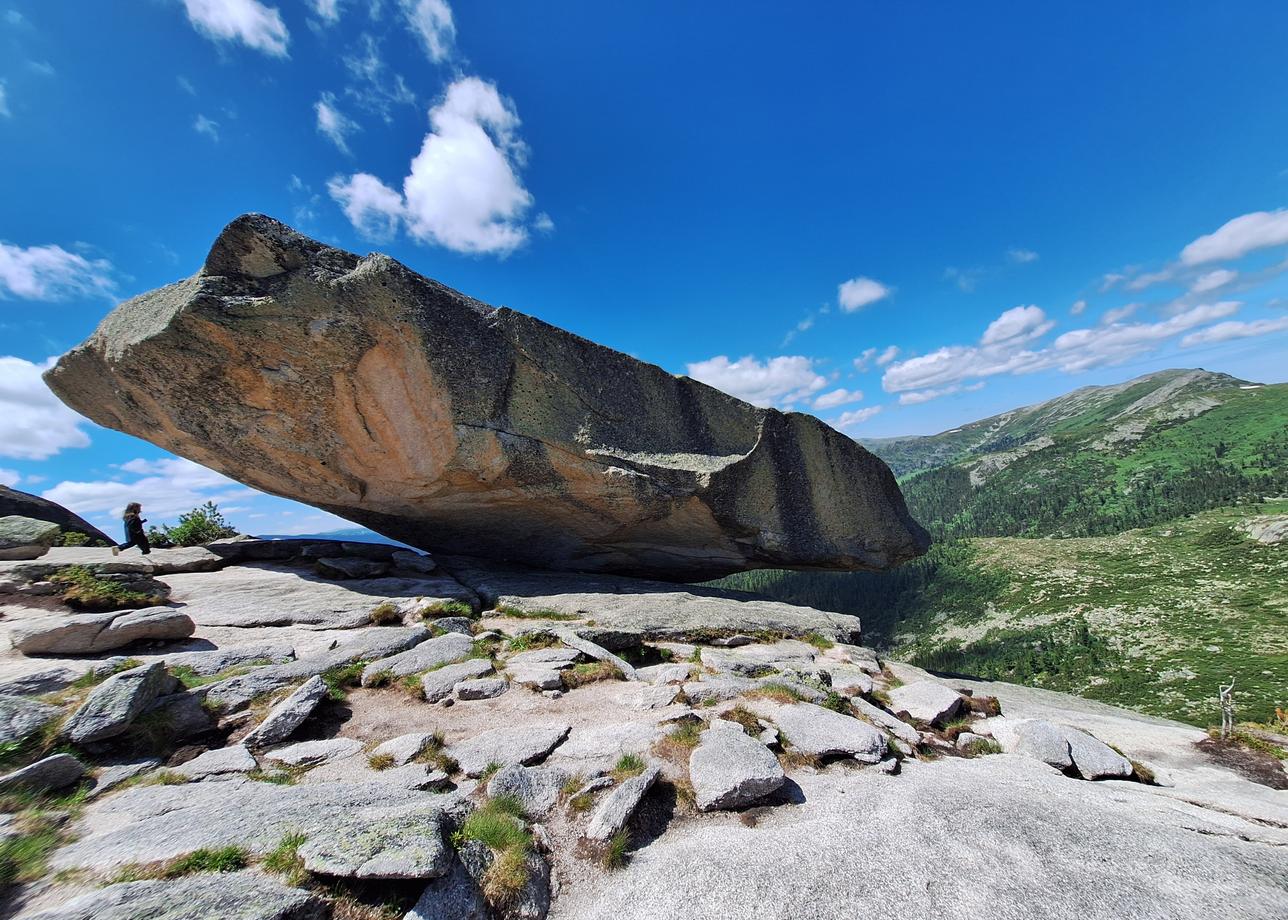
(207, 126)
(246, 21)
(52, 273)
(333, 123)
(774, 382)
(1238, 237)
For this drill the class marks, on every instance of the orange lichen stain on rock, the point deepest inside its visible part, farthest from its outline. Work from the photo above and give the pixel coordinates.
(394, 418)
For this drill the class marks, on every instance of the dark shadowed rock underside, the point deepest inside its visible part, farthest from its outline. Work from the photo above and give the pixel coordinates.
(365, 389)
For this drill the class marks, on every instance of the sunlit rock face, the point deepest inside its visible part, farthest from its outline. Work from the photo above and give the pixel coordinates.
(362, 388)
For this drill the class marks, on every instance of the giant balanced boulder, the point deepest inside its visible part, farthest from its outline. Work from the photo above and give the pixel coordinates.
(360, 387)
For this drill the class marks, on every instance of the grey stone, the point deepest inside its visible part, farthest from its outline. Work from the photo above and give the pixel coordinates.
(555, 451)
(926, 701)
(616, 808)
(182, 714)
(1060, 849)
(219, 762)
(717, 689)
(409, 561)
(454, 896)
(90, 633)
(820, 732)
(730, 770)
(349, 567)
(440, 682)
(218, 896)
(403, 846)
(25, 538)
(536, 788)
(1034, 738)
(413, 776)
(114, 704)
(644, 610)
(555, 658)
(538, 677)
(598, 652)
(216, 661)
(1094, 759)
(462, 625)
(36, 683)
(526, 744)
(596, 747)
(234, 693)
(20, 717)
(154, 823)
(482, 688)
(857, 655)
(288, 715)
(312, 753)
(649, 697)
(755, 660)
(405, 748)
(850, 680)
(966, 739)
(732, 641)
(433, 653)
(665, 673)
(896, 726)
(889, 766)
(112, 775)
(272, 594)
(24, 504)
(55, 772)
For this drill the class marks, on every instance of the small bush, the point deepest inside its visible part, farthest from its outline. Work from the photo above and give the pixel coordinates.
(447, 609)
(83, 590)
(198, 527)
(380, 761)
(284, 860)
(507, 876)
(614, 856)
(779, 693)
(71, 538)
(628, 765)
(386, 614)
(495, 828)
(340, 679)
(819, 641)
(581, 674)
(529, 641)
(223, 859)
(744, 717)
(981, 747)
(836, 703)
(24, 857)
(517, 614)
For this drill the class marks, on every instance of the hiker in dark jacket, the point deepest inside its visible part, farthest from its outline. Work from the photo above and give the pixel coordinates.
(134, 535)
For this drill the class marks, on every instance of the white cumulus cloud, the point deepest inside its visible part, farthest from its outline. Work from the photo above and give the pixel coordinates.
(34, 423)
(891, 352)
(916, 397)
(1224, 332)
(775, 382)
(1238, 237)
(327, 10)
(431, 22)
(9, 478)
(854, 417)
(166, 488)
(1018, 324)
(463, 191)
(1210, 281)
(247, 21)
(839, 397)
(51, 273)
(858, 293)
(333, 123)
(373, 208)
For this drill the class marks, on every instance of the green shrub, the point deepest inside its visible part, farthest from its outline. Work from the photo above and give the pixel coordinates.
(343, 677)
(198, 527)
(83, 590)
(72, 538)
(222, 859)
(628, 765)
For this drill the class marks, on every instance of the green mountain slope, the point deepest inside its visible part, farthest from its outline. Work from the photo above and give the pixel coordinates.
(1154, 591)
(1100, 460)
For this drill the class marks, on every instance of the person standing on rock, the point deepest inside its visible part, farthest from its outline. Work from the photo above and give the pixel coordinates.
(134, 535)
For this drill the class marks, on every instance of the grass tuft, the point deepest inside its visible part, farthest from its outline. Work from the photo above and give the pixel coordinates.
(628, 765)
(819, 641)
(380, 761)
(342, 678)
(515, 613)
(614, 855)
(386, 614)
(581, 674)
(284, 860)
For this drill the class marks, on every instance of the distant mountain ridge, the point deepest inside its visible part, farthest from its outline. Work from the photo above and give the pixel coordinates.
(1101, 459)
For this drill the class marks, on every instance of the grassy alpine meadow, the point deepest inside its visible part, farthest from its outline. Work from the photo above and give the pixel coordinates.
(1153, 619)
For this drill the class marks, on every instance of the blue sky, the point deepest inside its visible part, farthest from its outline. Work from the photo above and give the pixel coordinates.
(899, 217)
